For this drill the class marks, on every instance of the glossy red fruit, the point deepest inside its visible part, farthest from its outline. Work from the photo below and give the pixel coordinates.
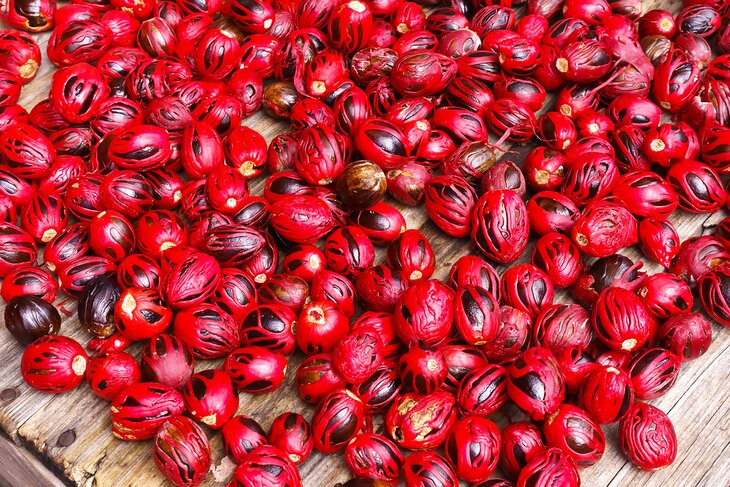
(428, 468)
(358, 354)
(596, 231)
(53, 364)
(140, 314)
(29, 281)
(111, 235)
(167, 360)
(559, 258)
(422, 369)
(559, 327)
(267, 465)
(573, 431)
(424, 313)
(513, 336)
(666, 294)
(374, 456)
(210, 398)
(140, 410)
(653, 372)
(659, 240)
(291, 434)
(647, 437)
(449, 203)
(535, 383)
(549, 466)
(182, 452)
(109, 374)
(26, 151)
(688, 335)
(521, 442)
(621, 320)
(469, 434)
(412, 415)
(192, 280)
(269, 326)
(320, 327)
(138, 270)
(255, 369)
(242, 435)
(527, 288)
(301, 219)
(607, 394)
(74, 277)
(483, 391)
(505, 210)
(337, 419)
(316, 377)
(208, 331)
(697, 185)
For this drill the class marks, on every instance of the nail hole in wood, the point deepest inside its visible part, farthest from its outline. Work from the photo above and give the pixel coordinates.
(8, 395)
(66, 438)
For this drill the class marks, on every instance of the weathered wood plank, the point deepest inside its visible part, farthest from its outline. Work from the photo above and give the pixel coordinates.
(699, 403)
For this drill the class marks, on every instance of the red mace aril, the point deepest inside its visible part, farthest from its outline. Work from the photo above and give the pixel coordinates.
(69, 244)
(521, 442)
(670, 143)
(714, 143)
(584, 61)
(449, 203)
(138, 270)
(350, 25)
(563, 326)
(666, 295)
(659, 240)
(375, 457)
(127, 192)
(77, 91)
(140, 410)
(191, 280)
(242, 435)
(207, 330)
(696, 256)
(320, 327)
(408, 183)
(513, 119)
(423, 467)
(559, 258)
(337, 419)
(535, 383)
(697, 185)
(504, 210)
(412, 255)
(74, 277)
(167, 360)
(159, 230)
(422, 369)
(525, 90)
(556, 130)
(245, 150)
(589, 176)
(604, 228)
(291, 434)
(22, 54)
(653, 372)
(29, 281)
(358, 355)
(647, 437)
(201, 151)
(379, 287)
(476, 314)
(269, 326)
(527, 288)
(140, 314)
(421, 422)
(646, 194)
(422, 73)
(53, 364)
(109, 374)
(44, 216)
(424, 313)
(210, 398)
(621, 320)
(573, 431)
(26, 152)
(607, 394)
(483, 391)
(255, 369)
(316, 377)
(657, 22)
(575, 364)
(676, 80)
(688, 335)
(111, 235)
(469, 434)
(513, 336)
(382, 222)
(321, 154)
(550, 211)
(381, 141)
(182, 452)
(301, 219)
(284, 289)
(267, 465)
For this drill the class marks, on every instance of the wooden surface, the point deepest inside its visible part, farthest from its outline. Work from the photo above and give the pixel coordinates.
(71, 433)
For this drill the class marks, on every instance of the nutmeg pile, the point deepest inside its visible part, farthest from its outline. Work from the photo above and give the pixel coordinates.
(128, 189)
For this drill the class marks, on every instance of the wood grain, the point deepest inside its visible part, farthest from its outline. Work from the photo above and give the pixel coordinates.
(71, 433)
